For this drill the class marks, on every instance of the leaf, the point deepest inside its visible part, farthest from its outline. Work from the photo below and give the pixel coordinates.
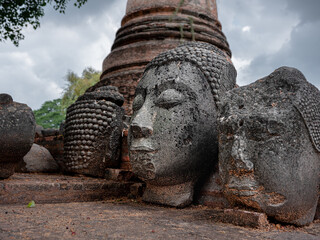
(31, 204)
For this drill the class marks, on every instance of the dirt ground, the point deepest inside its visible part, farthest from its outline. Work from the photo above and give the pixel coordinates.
(129, 219)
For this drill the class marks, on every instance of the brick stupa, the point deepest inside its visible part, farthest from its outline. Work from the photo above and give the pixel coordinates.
(151, 27)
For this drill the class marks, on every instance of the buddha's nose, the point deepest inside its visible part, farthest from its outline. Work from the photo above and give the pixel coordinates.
(142, 124)
(239, 154)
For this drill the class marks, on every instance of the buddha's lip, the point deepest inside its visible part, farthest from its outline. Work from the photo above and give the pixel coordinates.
(242, 192)
(242, 187)
(142, 145)
(142, 149)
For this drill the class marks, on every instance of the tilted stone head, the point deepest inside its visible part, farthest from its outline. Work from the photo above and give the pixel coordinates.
(92, 132)
(173, 131)
(269, 146)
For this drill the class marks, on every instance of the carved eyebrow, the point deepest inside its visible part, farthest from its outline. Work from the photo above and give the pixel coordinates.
(142, 87)
(179, 86)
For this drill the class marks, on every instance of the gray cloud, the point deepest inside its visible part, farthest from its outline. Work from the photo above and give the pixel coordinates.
(35, 71)
(278, 33)
(308, 10)
(263, 36)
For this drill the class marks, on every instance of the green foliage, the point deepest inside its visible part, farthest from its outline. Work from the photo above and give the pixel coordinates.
(181, 28)
(50, 115)
(18, 14)
(178, 7)
(76, 86)
(192, 29)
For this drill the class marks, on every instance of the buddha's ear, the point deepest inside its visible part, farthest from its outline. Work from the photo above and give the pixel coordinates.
(307, 101)
(227, 82)
(227, 78)
(304, 96)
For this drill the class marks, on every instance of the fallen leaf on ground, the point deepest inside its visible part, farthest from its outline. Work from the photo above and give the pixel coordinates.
(31, 204)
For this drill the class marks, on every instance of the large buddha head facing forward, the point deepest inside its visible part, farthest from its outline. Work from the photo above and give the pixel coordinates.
(173, 131)
(269, 142)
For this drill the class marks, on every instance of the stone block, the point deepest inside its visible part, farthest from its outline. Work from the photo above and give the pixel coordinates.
(38, 159)
(245, 218)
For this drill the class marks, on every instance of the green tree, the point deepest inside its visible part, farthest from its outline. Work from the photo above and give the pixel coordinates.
(17, 14)
(76, 86)
(50, 115)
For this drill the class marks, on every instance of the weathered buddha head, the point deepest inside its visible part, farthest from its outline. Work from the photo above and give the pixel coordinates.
(17, 129)
(269, 142)
(173, 131)
(93, 132)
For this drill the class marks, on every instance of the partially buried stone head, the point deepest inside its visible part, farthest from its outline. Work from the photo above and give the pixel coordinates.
(269, 146)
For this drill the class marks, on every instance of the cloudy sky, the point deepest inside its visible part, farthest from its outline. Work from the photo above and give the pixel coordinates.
(263, 35)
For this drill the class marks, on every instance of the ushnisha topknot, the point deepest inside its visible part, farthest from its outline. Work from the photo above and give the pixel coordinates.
(213, 62)
(108, 93)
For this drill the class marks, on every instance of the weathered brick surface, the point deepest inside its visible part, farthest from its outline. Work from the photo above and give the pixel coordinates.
(22, 188)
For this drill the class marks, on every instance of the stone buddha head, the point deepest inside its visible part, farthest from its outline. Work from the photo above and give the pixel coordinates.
(93, 131)
(269, 143)
(17, 130)
(173, 130)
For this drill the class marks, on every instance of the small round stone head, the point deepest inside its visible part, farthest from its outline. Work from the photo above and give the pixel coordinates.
(173, 131)
(93, 132)
(269, 142)
(17, 130)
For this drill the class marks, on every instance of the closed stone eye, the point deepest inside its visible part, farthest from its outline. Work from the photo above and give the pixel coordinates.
(137, 102)
(169, 98)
